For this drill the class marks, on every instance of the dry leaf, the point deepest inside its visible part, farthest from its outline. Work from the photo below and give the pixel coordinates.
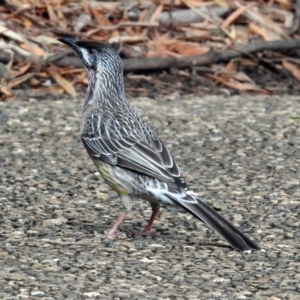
(81, 78)
(186, 48)
(34, 82)
(157, 11)
(27, 23)
(19, 50)
(51, 13)
(260, 31)
(54, 90)
(5, 91)
(18, 80)
(82, 21)
(200, 34)
(243, 33)
(71, 70)
(240, 76)
(292, 68)
(128, 39)
(33, 49)
(232, 17)
(174, 3)
(257, 17)
(21, 70)
(284, 4)
(116, 21)
(65, 84)
(86, 7)
(222, 3)
(61, 18)
(143, 15)
(235, 84)
(230, 67)
(9, 33)
(100, 18)
(111, 6)
(43, 39)
(159, 44)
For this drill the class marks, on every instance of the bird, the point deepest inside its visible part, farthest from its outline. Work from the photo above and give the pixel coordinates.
(128, 154)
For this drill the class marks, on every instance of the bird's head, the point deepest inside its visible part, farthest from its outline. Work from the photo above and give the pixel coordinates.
(97, 58)
(104, 68)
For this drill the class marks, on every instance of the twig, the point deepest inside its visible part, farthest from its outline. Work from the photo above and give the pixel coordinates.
(280, 59)
(157, 63)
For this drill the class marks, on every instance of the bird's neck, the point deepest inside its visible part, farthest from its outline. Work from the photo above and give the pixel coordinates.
(104, 89)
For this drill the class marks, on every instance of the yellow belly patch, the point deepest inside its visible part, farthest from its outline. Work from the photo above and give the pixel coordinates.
(106, 172)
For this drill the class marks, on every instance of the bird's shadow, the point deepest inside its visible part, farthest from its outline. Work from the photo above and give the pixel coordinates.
(130, 231)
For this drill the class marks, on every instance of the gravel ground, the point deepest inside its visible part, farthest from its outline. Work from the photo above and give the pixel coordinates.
(54, 208)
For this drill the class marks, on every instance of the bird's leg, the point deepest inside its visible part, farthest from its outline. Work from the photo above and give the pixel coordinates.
(148, 229)
(127, 204)
(111, 231)
(155, 210)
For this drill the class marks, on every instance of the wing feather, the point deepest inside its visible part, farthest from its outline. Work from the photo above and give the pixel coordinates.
(118, 144)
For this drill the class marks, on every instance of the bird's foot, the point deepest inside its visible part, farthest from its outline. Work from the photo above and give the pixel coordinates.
(116, 234)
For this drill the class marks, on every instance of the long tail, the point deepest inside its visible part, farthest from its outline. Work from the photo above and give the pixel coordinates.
(212, 219)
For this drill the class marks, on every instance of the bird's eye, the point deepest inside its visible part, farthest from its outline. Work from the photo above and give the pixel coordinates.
(92, 51)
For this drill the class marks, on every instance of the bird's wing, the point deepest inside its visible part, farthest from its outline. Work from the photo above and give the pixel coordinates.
(120, 145)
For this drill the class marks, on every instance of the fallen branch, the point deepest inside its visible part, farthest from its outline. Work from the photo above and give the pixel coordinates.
(158, 63)
(189, 16)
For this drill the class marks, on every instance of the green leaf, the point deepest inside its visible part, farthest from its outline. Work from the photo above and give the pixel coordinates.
(295, 117)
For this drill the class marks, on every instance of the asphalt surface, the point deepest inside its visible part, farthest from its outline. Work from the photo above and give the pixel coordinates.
(241, 151)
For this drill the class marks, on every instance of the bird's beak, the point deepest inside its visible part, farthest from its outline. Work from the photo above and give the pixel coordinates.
(71, 43)
(80, 51)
